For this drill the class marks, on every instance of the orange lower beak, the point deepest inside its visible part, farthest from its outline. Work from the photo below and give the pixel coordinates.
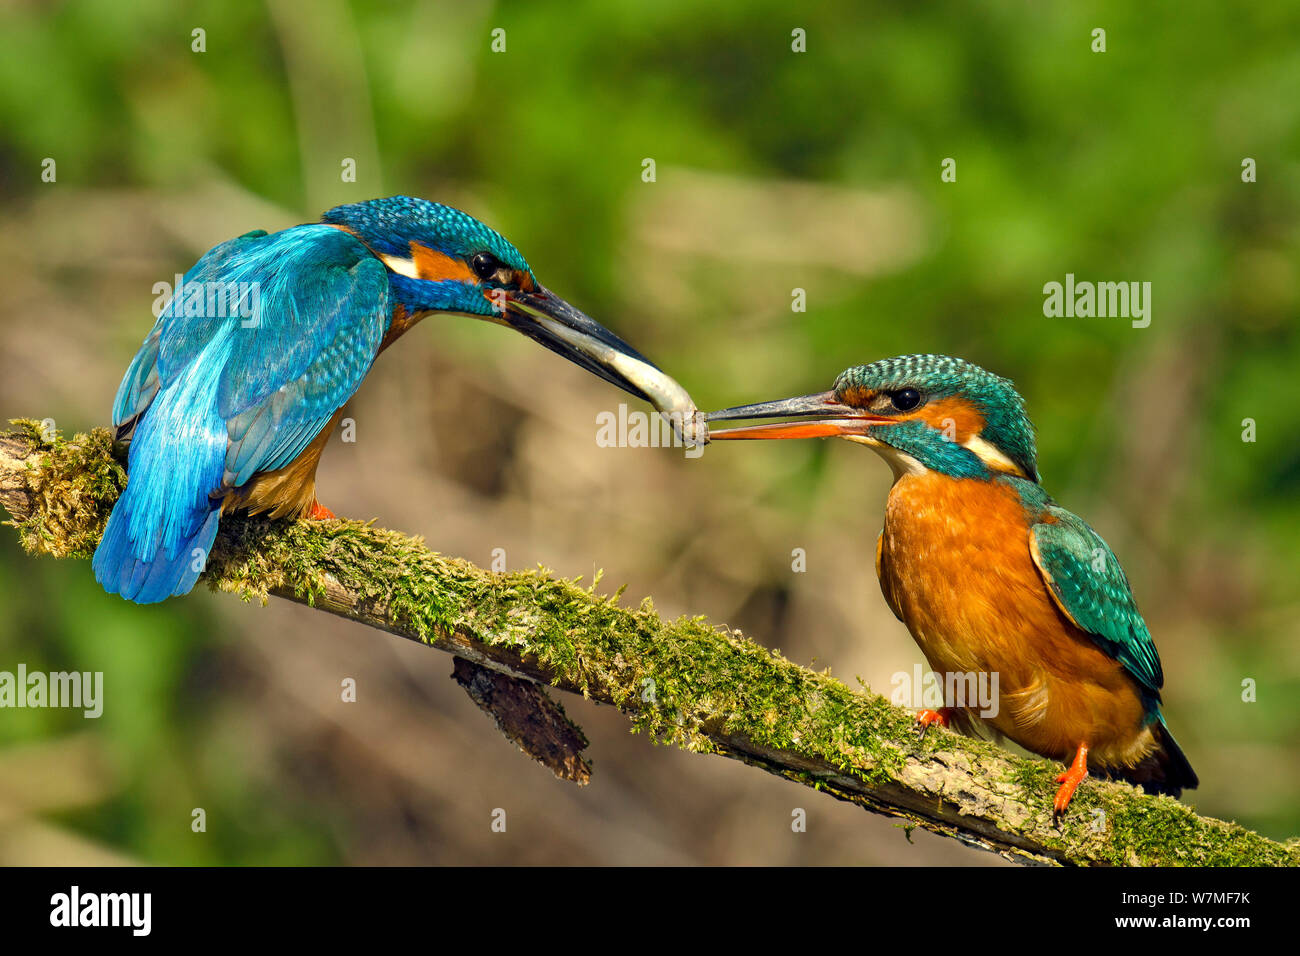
(825, 429)
(835, 419)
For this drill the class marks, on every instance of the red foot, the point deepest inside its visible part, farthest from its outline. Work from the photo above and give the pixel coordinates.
(925, 718)
(319, 512)
(1070, 780)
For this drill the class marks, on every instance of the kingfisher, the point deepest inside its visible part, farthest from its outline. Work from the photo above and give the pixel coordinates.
(235, 392)
(990, 575)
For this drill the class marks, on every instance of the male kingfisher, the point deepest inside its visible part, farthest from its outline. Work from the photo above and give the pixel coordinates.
(990, 575)
(229, 407)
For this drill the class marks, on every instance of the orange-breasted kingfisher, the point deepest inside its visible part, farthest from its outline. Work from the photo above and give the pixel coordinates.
(990, 575)
(232, 397)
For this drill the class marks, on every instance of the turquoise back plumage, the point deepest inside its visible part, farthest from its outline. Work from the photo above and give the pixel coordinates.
(221, 397)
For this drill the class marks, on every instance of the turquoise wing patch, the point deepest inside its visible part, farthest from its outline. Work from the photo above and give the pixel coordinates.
(1090, 587)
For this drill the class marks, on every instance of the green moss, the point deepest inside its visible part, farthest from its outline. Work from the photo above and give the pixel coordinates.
(1035, 780)
(74, 484)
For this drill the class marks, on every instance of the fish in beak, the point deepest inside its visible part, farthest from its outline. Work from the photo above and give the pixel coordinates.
(550, 321)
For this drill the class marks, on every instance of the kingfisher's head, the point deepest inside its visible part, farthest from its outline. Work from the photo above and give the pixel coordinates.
(441, 260)
(919, 412)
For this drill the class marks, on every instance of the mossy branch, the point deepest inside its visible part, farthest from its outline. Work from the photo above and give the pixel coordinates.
(686, 682)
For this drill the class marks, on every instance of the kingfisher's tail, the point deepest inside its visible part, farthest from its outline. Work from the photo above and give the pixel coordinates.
(158, 537)
(1167, 769)
(127, 566)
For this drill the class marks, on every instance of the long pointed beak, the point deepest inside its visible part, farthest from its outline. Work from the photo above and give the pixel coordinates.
(550, 321)
(833, 419)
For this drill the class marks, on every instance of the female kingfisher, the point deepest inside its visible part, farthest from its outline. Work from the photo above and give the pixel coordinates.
(236, 390)
(990, 575)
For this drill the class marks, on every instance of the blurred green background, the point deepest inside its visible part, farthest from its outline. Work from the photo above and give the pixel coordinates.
(776, 170)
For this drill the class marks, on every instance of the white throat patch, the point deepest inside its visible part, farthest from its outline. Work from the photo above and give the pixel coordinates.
(900, 463)
(403, 267)
(992, 456)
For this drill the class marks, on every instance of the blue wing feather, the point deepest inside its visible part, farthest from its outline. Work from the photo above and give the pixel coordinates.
(141, 383)
(222, 394)
(317, 333)
(1092, 590)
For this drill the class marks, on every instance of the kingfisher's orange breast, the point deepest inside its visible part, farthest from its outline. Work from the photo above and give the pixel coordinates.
(955, 567)
(286, 492)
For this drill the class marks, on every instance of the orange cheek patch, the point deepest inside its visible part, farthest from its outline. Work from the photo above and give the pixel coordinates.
(953, 416)
(434, 266)
(857, 396)
(524, 281)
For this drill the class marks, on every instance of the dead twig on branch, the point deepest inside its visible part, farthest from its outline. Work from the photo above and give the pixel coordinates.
(683, 682)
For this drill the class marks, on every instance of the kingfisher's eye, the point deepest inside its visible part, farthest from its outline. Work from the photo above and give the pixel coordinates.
(486, 265)
(906, 399)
